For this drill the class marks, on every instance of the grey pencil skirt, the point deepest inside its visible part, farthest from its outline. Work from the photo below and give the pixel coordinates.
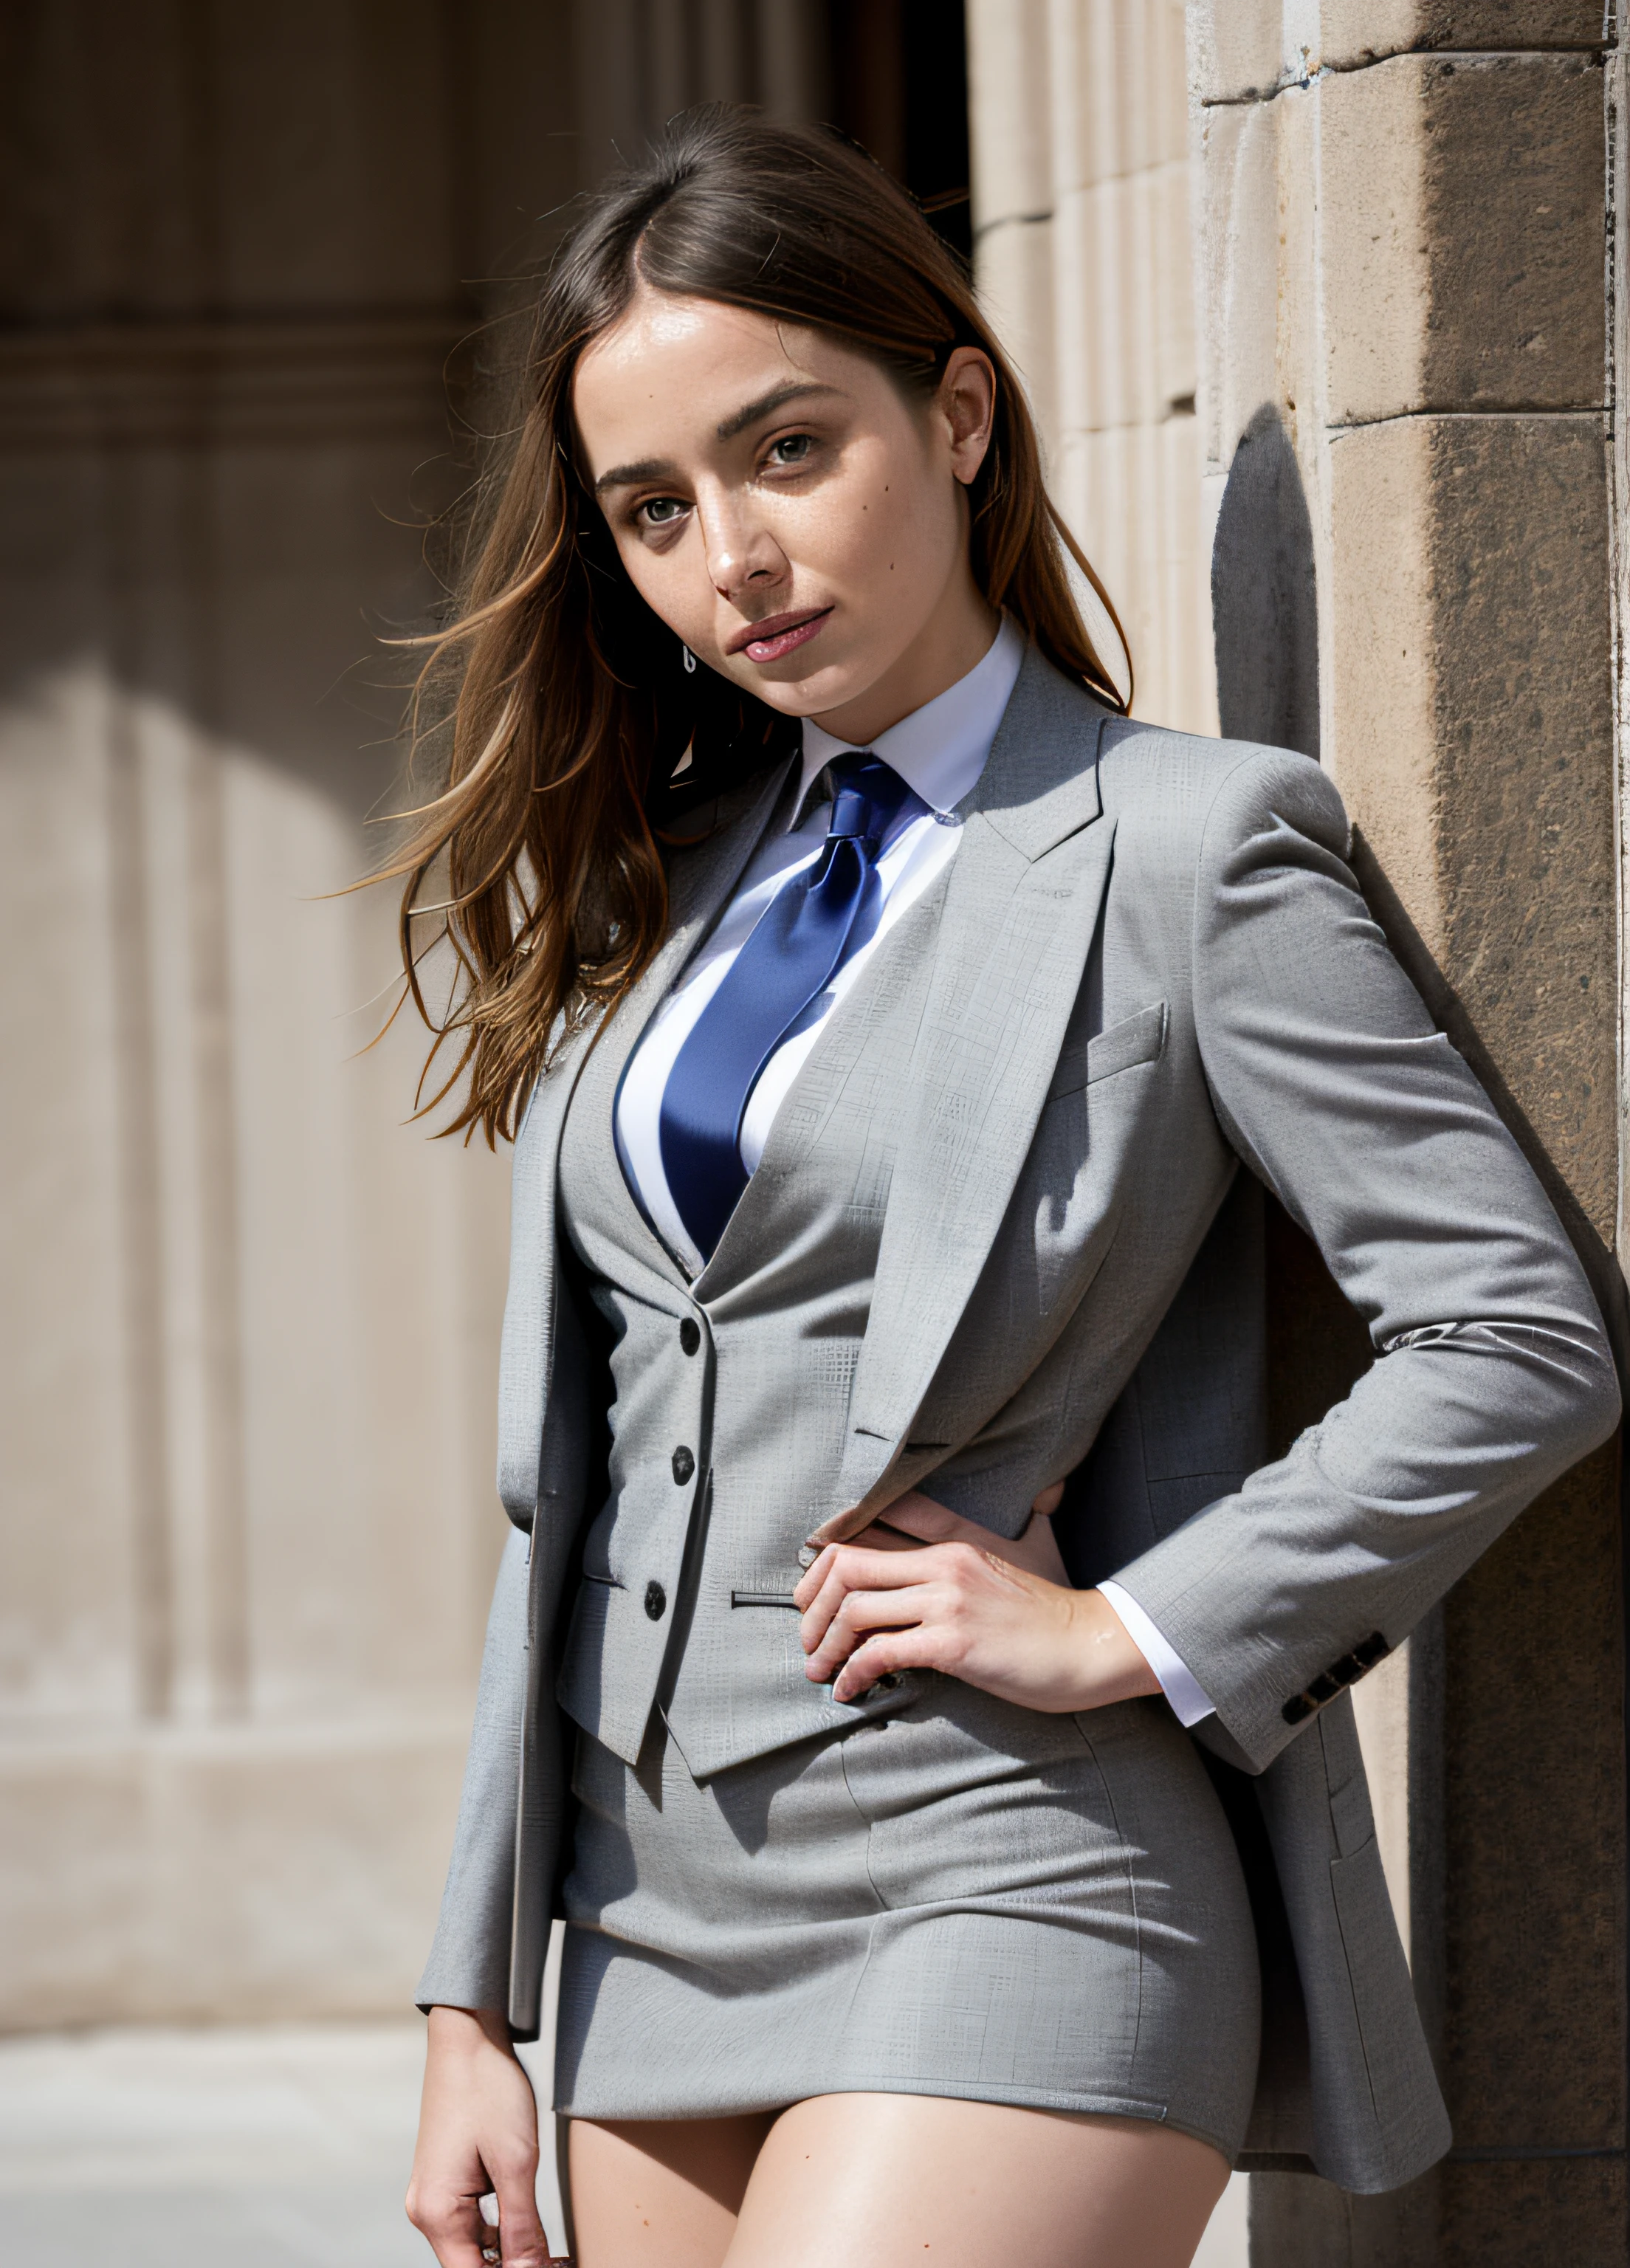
(963, 1898)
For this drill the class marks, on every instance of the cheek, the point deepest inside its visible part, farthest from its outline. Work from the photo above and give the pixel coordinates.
(674, 585)
(867, 540)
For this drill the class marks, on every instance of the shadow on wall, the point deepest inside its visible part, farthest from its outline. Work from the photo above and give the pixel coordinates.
(1265, 613)
(1264, 601)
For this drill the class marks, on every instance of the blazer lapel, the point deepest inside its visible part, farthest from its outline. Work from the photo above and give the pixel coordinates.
(700, 881)
(1020, 913)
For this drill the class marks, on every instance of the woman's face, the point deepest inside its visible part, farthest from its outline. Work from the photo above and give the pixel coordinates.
(787, 509)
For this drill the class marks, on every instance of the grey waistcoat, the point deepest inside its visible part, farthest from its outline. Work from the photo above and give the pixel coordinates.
(721, 1461)
(1153, 988)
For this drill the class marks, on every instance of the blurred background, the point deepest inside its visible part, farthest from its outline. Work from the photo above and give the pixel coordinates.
(1319, 306)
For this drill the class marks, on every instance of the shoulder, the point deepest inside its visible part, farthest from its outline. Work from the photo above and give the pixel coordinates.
(1185, 797)
(1058, 747)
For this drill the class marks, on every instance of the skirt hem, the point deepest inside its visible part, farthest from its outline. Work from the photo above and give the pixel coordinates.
(1020, 2098)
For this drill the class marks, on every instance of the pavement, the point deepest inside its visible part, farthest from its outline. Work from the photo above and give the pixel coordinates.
(265, 2147)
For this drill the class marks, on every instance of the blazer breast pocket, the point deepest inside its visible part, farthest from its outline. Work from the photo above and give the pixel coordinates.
(1138, 1039)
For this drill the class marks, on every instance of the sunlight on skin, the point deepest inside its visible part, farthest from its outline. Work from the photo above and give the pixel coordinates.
(759, 477)
(875, 2180)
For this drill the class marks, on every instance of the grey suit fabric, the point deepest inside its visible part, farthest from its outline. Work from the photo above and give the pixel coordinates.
(1150, 965)
(756, 1415)
(765, 1901)
(960, 1897)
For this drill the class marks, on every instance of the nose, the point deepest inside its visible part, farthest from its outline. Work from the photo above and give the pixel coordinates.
(742, 553)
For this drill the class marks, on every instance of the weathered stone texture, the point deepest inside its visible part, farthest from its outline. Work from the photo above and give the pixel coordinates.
(1402, 272)
(1472, 742)
(1569, 2213)
(1361, 31)
(1523, 727)
(1462, 209)
(1241, 50)
(1535, 1829)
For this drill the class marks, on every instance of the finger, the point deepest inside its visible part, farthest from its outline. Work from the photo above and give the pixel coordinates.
(916, 1514)
(451, 2224)
(814, 1576)
(863, 1613)
(884, 1535)
(882, 1655)
(852, 1570)
(521, 2240)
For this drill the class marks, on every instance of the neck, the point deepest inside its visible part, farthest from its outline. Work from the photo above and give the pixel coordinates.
(959, 633)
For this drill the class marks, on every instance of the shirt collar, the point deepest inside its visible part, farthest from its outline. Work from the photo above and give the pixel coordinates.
(941, 749)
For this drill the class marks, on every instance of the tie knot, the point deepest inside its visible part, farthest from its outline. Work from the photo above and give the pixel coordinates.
(867, 794)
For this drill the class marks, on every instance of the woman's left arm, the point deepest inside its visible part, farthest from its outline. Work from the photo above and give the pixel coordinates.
(1492, 1372)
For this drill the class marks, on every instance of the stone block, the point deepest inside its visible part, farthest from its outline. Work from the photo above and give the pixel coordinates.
(1354, 31)
(1470, 731)
(1513, 2215)
(1242, 50)
(1011, 148)
(1013, 269)
(1461, 206)
(1534, 1958)
(1236, 270)
(1234, 49)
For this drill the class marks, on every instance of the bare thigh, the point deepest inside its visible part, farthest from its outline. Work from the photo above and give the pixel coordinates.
(659, 2192)
(875, 2180)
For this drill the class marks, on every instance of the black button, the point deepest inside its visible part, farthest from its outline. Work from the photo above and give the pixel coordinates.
(684, 1465)
(1323, 1688)
(690, 1334)
(655, 1602)
(1296, 1708)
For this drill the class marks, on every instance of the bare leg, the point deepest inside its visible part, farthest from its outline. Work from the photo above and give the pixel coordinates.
(659, 2193)
(875, 2181)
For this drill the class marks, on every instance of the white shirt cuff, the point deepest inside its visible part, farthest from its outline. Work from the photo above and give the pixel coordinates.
(1179, 1684)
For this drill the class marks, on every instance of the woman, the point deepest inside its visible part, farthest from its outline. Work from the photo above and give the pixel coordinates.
(897, 1041)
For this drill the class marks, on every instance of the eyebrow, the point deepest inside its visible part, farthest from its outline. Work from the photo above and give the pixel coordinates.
(794, 389)
(661, 468)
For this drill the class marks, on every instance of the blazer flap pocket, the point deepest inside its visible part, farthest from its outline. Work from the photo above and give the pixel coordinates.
(1135, 1040)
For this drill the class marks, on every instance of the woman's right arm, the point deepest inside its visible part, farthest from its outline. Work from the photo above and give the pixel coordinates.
(477, 2134)
(478, 2122)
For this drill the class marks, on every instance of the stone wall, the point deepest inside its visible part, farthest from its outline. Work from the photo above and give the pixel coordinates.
(1402, 236)
(1082, 187)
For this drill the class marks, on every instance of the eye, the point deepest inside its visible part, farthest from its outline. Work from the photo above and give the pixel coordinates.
(792, 449)
(659, 511)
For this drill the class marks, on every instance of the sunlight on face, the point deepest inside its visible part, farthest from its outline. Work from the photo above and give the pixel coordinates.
(784, 507)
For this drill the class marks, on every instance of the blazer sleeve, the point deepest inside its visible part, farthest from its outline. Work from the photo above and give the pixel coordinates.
(1493, 1373)
(469, 1963)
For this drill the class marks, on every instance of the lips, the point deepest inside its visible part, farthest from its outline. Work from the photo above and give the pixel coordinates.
(780, 634)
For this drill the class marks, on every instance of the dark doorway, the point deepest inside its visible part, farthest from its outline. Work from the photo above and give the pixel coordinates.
(899, 84)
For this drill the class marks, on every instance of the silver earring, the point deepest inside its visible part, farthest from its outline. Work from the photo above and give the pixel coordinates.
(690, 660)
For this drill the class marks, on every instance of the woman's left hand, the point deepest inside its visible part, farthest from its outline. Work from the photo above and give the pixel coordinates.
(923, 1589)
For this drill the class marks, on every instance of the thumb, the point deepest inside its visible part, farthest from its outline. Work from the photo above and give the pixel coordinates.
(916, 1514)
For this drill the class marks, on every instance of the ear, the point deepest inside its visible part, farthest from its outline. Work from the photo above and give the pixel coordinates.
(967, 402)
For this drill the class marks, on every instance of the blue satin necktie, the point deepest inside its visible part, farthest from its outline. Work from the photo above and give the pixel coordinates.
(800, 941)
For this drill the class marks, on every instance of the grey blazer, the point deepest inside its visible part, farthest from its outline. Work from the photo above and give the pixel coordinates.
(1153, 967)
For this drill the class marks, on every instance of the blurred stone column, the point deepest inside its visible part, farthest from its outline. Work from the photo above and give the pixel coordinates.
(1401, 224)
(1082, 254)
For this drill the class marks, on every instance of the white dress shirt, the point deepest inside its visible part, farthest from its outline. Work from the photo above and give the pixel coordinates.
(940, 751)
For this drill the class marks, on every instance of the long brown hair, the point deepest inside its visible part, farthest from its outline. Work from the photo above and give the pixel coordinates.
(568, 706)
